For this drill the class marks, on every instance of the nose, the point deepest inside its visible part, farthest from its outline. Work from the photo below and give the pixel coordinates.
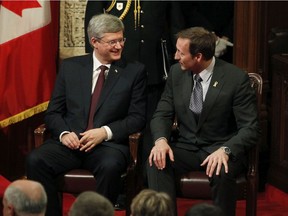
(118, 45)
(176, 56)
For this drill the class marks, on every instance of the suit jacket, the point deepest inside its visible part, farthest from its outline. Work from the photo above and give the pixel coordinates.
(121, 105)
(158, 19)
(229, 114)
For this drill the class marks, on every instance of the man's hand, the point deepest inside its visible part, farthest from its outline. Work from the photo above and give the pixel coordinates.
(215, 161)
(158, 154)
(70, 140)
(91, 138)
(221, 46)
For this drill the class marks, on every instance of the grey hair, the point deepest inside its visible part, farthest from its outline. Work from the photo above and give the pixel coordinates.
(90, 203)
(23, 204)
(103, 23)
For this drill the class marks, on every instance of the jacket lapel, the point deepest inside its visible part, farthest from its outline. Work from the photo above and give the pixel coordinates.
(112, 78)
(216, 84)
(187, 87)
(86, 84)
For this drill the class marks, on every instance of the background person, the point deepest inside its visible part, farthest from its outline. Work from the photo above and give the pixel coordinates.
(90, 203)
(204, 209)
(151, 203)
(24, 197)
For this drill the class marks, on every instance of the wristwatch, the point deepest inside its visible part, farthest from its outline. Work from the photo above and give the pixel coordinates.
(226, 150)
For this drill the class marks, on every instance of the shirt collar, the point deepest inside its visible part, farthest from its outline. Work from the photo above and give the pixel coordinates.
(207, 72)
(97, 63)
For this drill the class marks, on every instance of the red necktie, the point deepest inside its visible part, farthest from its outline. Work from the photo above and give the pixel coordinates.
(95, 96)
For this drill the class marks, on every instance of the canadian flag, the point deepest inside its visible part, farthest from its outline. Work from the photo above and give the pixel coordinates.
(28, 57)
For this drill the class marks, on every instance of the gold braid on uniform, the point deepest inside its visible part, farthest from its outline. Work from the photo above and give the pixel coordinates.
(111, 6)
(128, 5)
(137, 9)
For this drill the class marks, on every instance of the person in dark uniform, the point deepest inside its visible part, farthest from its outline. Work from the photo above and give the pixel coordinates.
(148, 25)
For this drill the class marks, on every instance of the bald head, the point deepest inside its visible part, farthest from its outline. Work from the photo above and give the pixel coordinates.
(24, 198)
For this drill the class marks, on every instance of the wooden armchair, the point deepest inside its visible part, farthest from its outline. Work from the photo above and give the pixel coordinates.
(196, 184)
(79, 180)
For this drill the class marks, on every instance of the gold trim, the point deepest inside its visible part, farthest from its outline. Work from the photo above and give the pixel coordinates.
(128, 5)
(125, 12)
(135, 14)
(111, 6)
(23, 115)
(139, 11)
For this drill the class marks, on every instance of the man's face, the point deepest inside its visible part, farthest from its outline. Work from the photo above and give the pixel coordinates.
(183, 55)
(109, 48)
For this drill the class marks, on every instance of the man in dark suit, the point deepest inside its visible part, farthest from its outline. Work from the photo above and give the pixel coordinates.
(146, 29)
(102, 146)
(213, 136)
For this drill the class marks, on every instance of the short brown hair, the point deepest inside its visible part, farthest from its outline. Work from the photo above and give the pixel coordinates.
(201, 41)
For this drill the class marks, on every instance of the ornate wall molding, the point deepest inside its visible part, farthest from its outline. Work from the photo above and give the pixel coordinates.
(72, 41)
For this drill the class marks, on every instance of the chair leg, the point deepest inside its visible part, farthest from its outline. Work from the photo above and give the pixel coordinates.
(251, 200)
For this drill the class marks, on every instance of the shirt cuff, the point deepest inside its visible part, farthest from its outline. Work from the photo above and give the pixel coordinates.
(109, 133)
(64, 132)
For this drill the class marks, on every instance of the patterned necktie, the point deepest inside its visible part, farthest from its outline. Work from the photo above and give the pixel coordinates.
(95, 96)
(196, 101)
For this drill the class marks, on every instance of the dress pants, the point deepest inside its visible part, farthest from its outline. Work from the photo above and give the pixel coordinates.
(223, 187)
(52, 158)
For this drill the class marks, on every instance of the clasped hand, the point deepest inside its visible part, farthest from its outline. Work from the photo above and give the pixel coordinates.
(213, 162)
(89, 139)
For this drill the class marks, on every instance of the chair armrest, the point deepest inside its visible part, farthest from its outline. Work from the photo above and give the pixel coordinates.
(39, 135)
(134, 141)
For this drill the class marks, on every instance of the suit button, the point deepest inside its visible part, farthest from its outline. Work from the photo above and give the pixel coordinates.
(142, 41)
(142, 26)
(142, 11)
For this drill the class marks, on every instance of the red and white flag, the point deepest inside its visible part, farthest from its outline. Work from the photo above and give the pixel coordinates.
(28, 57)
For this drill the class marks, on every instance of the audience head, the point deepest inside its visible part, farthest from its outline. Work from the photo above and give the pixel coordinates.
(151, 203)
(90, 203)
(204, 209)
(201, 41)
(24, 198)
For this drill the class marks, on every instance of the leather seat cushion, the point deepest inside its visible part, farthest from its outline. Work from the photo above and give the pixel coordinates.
(196, 185)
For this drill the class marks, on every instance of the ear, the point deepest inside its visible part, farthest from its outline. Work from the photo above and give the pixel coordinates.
(94, 42)
(10, 210)
(199, 57)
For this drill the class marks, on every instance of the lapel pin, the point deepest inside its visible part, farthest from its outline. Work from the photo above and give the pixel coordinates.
(215, 84)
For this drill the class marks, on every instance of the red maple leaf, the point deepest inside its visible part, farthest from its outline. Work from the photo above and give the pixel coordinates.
(18, 6)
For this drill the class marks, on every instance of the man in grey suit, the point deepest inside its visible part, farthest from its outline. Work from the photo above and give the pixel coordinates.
(217, 137)
(101, 147)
